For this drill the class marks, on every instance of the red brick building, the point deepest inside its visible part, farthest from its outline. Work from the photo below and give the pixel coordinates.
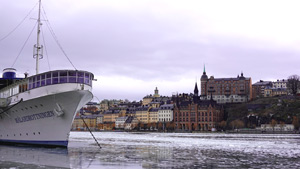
(196, 114)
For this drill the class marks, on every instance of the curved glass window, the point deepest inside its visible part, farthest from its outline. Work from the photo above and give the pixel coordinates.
(57, 77)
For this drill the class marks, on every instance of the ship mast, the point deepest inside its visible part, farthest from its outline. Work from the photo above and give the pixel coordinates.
(38, 49)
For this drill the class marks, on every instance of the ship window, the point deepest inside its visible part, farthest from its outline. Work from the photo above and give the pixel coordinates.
(72, 79)
(54, 80)
(48, 75)
(43, 76)
(48, 81)
(43, 83)
(63, 80)
(80, 74)
(80, 80)
(72, 73)
(38, 84)
(64, 73)
(87, 81)
(55, 74)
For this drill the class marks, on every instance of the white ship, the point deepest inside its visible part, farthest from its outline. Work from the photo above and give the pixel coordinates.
(40, 109)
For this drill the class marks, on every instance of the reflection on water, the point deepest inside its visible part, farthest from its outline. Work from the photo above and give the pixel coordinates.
(160, 150)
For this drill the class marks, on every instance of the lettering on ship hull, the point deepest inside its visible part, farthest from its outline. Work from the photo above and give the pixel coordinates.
(34, 117)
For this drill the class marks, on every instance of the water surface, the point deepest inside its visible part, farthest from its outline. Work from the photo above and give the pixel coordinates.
(160, 150)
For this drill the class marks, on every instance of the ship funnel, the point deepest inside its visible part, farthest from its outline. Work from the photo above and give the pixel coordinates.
(9, 73)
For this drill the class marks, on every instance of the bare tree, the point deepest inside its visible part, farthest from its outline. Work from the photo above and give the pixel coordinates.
(223, 124)
(293, 84)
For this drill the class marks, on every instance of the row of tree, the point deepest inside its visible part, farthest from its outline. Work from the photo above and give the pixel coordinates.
(293, 84)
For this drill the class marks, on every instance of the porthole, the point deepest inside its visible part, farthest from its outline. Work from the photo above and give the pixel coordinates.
(31, 107)
(20, 134)
(15, 135)
(26, 108)
(39, 133)
(33, 133)
(41, 105)
(7, 135)
(27, 134)
(22, 109)
(36, 106)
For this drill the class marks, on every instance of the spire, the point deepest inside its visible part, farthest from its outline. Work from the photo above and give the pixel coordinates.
(196, 91)
(204, 70)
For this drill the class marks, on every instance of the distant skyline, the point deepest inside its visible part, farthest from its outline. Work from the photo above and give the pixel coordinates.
(133, 46)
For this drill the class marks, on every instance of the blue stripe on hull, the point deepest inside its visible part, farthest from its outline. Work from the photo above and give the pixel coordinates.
(39, 143)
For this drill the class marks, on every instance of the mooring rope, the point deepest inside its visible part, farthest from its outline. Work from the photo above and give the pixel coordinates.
(90, 131)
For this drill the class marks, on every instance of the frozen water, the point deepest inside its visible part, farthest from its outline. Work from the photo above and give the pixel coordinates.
(161, 150)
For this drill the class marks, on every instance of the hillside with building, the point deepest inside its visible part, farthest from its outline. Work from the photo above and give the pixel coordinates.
(222, 104)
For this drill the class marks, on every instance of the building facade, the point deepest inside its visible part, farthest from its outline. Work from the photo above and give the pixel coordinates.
(196, 114)
(142, 114)
(226, 90)
(153, 115)
(165, 113)
(258, 88)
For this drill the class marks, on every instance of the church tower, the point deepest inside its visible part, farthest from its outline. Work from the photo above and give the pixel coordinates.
(156, 93)
(204, 80)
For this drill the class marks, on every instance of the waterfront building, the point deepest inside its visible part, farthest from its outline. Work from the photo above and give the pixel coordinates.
(197, 114)
(131, 122)
(276, 127)
(165, 113)
(142, 113)
(110, 116)
(90, 121)
(120, 122)
(130, 111)
(153, 115)
(226, 90)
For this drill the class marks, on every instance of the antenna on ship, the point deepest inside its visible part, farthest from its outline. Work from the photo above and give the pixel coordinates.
(38, 49)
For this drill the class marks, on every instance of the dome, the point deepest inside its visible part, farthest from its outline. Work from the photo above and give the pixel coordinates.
(204, 76)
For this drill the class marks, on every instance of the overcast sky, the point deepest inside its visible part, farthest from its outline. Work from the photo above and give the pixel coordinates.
(137, 45)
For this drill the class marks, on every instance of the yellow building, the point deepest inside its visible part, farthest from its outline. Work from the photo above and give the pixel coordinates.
(142, 114)
(90, 120)
(147, 99)
(153, 115)
(110, 116)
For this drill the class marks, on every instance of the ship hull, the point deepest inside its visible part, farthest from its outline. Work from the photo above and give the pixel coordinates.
(45, 120)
